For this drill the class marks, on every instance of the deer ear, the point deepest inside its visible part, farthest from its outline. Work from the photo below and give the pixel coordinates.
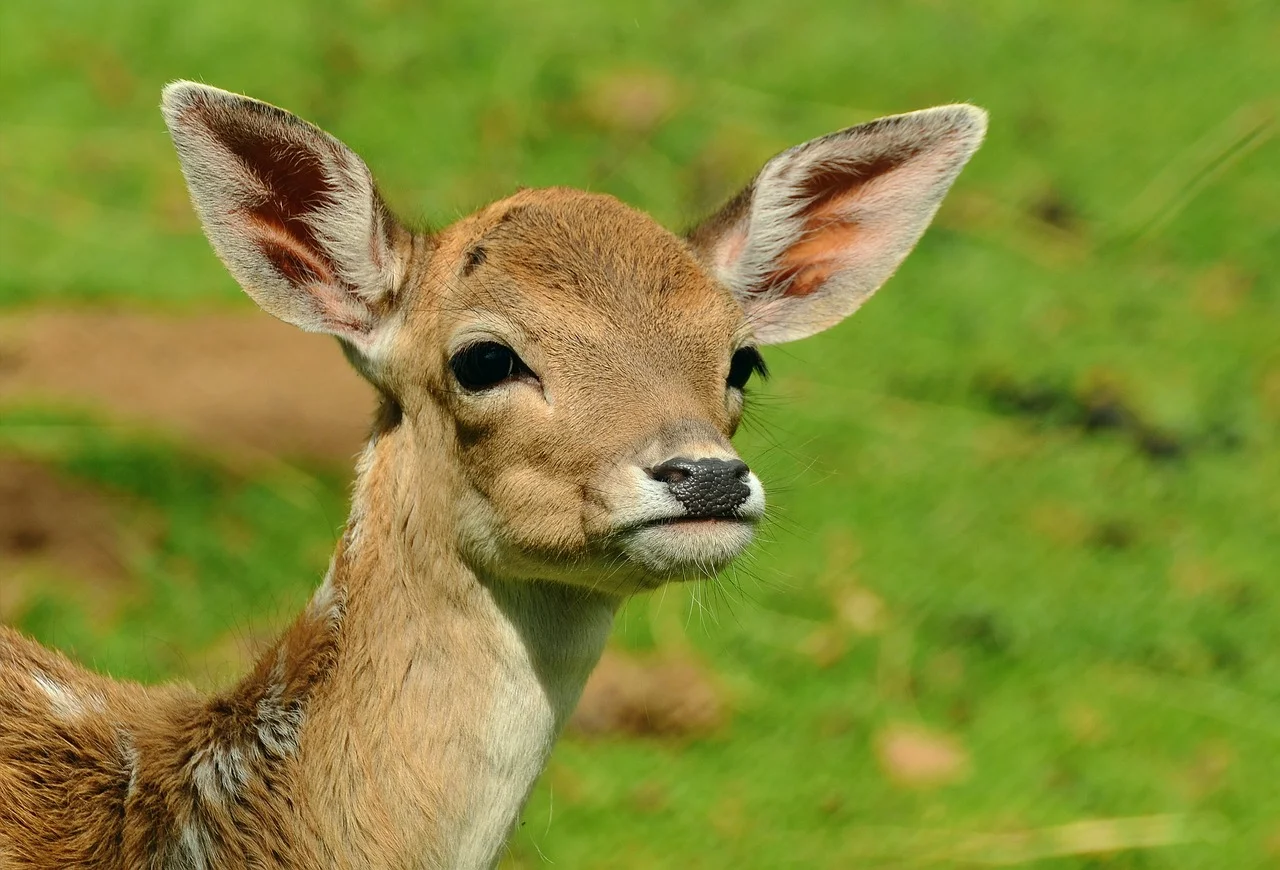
(826, 223)
(290, 210)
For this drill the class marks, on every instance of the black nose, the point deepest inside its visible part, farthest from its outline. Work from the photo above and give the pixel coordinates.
(706, 487)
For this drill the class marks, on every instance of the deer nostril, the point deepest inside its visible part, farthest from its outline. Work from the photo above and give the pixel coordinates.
(673, 471)
(705, 487)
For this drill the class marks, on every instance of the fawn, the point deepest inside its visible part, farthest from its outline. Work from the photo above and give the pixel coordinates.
(559, 378)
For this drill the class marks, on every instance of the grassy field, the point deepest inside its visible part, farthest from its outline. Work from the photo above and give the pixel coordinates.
(1020, 606)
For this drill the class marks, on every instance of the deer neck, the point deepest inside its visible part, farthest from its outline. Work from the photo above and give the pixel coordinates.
(449, 687)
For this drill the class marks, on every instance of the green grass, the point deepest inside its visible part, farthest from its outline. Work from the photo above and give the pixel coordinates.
(1091, 612)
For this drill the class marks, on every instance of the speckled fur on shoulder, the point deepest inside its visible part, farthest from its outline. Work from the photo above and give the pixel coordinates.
(104, 774)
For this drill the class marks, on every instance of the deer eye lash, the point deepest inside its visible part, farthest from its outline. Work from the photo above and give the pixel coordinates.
(745, 362)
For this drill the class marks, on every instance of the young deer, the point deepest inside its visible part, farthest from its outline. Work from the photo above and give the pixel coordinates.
(559, 380)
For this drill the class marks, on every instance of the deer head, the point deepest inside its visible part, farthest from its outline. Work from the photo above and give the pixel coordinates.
(571, 373)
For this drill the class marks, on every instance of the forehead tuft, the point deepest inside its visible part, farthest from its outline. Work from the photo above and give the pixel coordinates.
(577, 273)
(591, 246)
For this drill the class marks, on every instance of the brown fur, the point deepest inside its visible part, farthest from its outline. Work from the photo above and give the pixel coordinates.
(112, 785)
(402, 719)
(681, 320)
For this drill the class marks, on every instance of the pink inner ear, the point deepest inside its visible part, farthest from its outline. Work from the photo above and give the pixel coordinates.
(293, 173)
(307, 269)
(828, 187)
(730, 248)
(297, 185)
(811, 262)
(831, 231)
(299, 264)
(840, 195)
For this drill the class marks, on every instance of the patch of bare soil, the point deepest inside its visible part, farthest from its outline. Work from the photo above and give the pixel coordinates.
(54, 531)
(665, 697)
(225, 380)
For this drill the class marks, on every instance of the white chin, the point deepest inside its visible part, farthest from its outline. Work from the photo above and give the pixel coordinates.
(689, 547)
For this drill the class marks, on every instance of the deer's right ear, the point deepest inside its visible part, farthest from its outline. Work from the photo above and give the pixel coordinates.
(290, 210)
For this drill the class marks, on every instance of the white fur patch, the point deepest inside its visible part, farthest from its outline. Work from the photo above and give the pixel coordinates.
(192, 850)
(66, 703)
(279, 718)
(222, 769)
(753, 507)
(219, 772)
(526, 711)
(132, 759)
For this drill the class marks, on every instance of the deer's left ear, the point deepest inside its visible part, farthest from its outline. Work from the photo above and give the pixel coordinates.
(826, 223)
(291, 211)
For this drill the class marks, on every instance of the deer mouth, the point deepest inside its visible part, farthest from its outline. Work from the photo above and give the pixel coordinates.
(696, 522)
(687, 546)
(685, 518)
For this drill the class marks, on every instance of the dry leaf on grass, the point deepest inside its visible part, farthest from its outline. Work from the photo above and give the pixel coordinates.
(916, 757)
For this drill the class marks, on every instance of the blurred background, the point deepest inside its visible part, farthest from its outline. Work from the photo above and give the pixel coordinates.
(1019, 603)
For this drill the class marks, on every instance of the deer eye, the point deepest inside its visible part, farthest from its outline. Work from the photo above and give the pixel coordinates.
(745, 361)
(484, 365)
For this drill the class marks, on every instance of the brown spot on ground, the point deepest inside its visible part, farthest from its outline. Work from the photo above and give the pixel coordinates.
(916, 757)
(239, 381)
(1058, 522)
(55, 532)
(665, 697)
(1086, 724)
(826, 646)
(1221, 290)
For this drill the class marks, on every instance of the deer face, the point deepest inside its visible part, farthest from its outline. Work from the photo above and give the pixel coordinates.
(593, 373)
(579, 368)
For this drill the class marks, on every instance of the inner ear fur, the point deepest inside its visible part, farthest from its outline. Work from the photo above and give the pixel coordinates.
(824, 224)
(291, 211)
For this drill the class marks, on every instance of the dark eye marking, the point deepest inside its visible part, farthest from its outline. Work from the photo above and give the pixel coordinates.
(486, 364)
(475, 257)
(745, 362)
